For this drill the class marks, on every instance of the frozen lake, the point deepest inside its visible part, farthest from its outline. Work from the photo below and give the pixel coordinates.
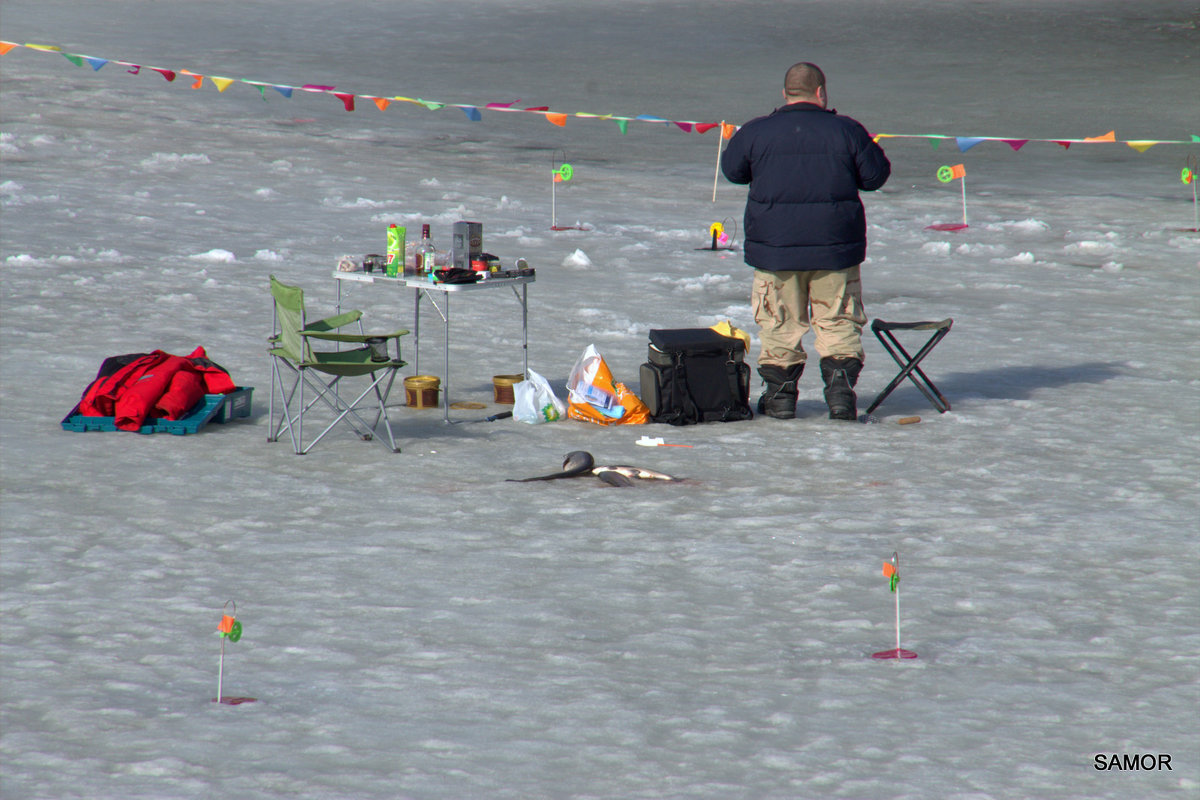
(416, 627)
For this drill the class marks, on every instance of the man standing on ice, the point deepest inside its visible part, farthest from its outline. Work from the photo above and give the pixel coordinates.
(806, 236)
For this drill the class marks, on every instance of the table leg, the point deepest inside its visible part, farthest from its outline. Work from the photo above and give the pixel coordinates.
(416, 332)
(525, 329)
(446, 378)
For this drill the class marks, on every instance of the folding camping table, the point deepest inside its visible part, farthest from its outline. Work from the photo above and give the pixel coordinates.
(425, 289)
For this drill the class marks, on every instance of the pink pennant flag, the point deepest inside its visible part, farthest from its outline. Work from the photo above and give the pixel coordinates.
(1016, 144)
(166, 73)
(502, 106)
(1064, 144)
(313, 87)
(136, 69)
(538, 108)
(347, 100)
(705, 127)
(686, 127)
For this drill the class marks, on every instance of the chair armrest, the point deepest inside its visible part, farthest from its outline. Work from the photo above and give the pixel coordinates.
(334, 322)
(351, 337)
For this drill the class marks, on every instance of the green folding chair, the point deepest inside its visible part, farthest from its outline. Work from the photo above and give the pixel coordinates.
(292, 354)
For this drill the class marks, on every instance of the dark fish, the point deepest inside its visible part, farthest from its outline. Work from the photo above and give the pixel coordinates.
(575, 463)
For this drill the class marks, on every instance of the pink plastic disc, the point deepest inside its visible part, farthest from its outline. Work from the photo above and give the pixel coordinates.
(946, 226)
(896, 653)
(234, 701)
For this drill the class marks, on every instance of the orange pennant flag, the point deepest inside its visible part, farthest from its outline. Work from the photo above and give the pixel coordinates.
(558, 119)
(1111, 136)
(727, 131)
(382, 102)
(6, 46)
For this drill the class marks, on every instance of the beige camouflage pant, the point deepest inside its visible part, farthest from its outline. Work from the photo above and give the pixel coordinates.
(788, 304)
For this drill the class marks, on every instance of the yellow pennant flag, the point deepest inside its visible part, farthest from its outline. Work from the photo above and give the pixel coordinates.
(222, 83)
(1142, 146)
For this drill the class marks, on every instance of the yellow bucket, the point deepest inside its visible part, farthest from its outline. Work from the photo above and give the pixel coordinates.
(502, 388)
(421, 391)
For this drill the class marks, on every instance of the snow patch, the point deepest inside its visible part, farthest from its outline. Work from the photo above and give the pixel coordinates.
(1024, 225)
(358, 202)
(215, 256)
(1090, 248)
(577, 259)
(23, 260)
(174, 160)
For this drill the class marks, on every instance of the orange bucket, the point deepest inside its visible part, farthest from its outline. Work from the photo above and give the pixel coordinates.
(502, 388)
(421, 391)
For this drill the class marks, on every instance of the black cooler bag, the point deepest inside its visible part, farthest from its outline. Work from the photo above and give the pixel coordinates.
(696, 375)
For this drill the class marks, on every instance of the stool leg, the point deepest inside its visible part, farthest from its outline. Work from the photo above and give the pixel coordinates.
(909, 365)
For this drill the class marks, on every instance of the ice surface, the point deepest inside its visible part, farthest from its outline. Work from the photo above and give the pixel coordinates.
(415, 627)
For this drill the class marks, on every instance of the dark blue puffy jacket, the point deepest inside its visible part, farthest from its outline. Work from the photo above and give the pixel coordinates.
(805, 166)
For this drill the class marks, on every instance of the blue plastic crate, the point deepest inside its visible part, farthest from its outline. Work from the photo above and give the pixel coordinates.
(220, 408)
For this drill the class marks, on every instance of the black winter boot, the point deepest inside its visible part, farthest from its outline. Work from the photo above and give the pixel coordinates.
(779, 397)
(840, 376)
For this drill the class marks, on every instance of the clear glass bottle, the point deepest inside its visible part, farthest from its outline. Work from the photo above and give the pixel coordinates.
(424, 256)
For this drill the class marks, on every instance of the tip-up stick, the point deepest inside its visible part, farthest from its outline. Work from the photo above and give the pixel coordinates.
(891, 570)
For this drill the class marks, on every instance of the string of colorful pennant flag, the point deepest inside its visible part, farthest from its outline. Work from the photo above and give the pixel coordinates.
(474, 113)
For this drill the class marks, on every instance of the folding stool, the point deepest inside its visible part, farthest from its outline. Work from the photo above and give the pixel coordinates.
(909, 364)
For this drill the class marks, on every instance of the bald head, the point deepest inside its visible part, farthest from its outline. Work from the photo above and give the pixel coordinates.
(804, 82)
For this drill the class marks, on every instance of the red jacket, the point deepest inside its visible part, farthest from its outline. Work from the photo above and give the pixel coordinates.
(133, 387)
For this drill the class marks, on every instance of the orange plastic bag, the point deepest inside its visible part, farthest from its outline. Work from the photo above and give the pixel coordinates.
(634, 411)
(593, 395)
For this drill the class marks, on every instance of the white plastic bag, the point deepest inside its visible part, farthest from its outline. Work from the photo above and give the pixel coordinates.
(534, 401)
(591, 381)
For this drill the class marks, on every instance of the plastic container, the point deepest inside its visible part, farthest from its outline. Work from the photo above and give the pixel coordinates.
(395, 250)
(219, 408)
